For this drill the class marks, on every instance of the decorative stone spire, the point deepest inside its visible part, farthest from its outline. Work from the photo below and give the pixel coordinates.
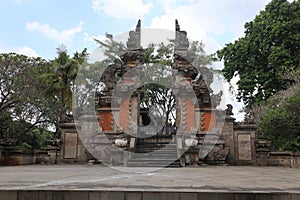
(181, 41)
(134, 40)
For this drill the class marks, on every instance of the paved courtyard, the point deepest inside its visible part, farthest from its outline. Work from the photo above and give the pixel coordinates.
(210, 179)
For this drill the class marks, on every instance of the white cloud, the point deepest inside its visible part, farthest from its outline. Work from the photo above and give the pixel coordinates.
(61, 36)
(88, 38)
(22, 50)
(121, 9)
(218, 16)
(194, 32)
(203, 20)
(27, 51)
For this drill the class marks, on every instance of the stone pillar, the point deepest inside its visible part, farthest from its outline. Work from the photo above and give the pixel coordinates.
(134, 113)
(228, 136)
(72, 149)
(262, 148)
(244, 140)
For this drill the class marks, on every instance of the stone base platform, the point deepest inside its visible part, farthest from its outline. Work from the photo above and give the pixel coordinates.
(93, 182)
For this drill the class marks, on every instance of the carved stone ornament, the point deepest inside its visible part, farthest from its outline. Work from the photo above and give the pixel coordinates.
(134, 40)
(181, 41)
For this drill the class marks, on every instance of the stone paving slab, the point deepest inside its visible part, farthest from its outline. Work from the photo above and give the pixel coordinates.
(98, 182)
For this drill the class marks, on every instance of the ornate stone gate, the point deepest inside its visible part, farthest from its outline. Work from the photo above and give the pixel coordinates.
(203, 134)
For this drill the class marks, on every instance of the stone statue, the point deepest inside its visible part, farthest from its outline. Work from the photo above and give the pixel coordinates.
(229, 109)
(217, 98)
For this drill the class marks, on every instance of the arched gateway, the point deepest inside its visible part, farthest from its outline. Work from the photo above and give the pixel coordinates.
(120, 105)
(137, 136)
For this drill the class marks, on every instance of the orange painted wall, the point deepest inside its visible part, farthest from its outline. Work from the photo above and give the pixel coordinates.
(105, 120)
(124, 115)
(209, 120)
(190, 115)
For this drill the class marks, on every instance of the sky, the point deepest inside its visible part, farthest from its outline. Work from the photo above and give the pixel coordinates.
(38, 27)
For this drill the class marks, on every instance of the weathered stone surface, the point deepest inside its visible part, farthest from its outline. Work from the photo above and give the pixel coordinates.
(70, 145)
(151, 196)
(216, 196)
(28, 195)
(134, 195)
(181, 41)
(244, 196)
(8, 195)
(244, 147)
(134, 39)
(76, 182)
(218, 153)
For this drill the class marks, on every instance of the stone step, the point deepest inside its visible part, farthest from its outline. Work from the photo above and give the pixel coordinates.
(149, 150)
(160, 152)
(155, 140)
(154, 154)
(152, 160)
(155, 147)
(160, 163)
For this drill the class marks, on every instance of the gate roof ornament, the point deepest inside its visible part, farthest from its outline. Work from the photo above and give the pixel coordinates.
(134, 40)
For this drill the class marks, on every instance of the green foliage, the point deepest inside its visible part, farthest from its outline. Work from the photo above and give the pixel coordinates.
(34, 95)
(157, 61)
(18, 78)
(293, 145)
(12, 134)
(113, 49)
(278, 118)
(59, 78)
(23, 98)
(269, 49)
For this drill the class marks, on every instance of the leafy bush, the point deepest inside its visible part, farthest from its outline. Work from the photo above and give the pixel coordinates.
(281, 124)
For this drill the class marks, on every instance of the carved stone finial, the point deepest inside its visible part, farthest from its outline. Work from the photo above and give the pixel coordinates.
(138, 26)
(181, 41)
(177, 27)
(134, 40)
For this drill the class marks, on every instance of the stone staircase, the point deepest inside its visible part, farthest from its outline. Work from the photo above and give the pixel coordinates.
(154, 154)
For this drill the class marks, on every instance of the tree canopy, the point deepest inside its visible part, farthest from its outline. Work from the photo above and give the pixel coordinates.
(35, 94)
(61, 77)
(269, 50)
(278, 117)
(24, 105)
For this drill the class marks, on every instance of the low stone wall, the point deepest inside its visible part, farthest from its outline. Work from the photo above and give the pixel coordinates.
(42, 157)
(141, 195)
(284, 159)
(10, 157)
